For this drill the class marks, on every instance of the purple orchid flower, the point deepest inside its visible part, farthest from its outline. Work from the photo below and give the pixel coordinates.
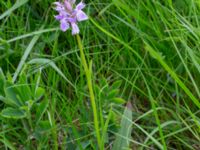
(69, 16)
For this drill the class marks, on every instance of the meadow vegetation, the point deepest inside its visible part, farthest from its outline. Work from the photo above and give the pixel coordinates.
(145, 62)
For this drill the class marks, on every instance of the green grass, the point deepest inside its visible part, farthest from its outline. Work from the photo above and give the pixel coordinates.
(145, 62)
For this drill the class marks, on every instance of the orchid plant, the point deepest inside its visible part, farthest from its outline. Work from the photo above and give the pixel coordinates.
(69, 15)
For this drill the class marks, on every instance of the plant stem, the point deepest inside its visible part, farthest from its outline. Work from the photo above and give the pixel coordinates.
(54, 131)
(90, 87)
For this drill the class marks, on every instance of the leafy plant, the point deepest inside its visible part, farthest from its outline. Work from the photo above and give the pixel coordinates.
(25, 102)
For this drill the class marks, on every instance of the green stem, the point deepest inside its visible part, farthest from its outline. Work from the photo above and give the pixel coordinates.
(54, 127)
(91, 92)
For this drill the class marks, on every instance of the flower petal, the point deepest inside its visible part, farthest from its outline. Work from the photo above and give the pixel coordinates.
(58, 17)
(57, 3)
(80, 6)
(64, 25)
(81, 16)
(68, 5)
(59, 6)
(75, 29)
(71, 20)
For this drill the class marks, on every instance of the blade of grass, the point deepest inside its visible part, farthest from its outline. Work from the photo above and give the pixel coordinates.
(45, 62)
(25, 56)
(172, 73)
(18, 4)
(155, 113)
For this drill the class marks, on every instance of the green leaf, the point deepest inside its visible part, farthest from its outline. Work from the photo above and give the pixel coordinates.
(41, 108)
(172, 73)
(90, 67)
(112, 93)
(124, 135)
(116, 84)
(25, 56)
(2, 76)
(118, 100)
(2, 82)
(18, 4)
(39, 93)
(43, 126)
(84, 145)
(13, 113)
(7, 143)
(46, 62)
(23, 87)
(3, 99)
(42, 129)
(12, 95)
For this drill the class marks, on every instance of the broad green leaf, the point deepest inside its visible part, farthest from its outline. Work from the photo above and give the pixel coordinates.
(24, 93)
(23, 87)
(13, 113)
(124, 135)
(12, 95)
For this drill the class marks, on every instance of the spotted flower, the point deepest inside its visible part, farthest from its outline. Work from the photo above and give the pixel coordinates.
(69, 15)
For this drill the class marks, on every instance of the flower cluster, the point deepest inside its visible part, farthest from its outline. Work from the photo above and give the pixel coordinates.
(69, 15)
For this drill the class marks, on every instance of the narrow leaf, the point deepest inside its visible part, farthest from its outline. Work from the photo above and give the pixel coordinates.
(122, 140)
(46, 62)
(172, 73)
(25, 56)
(18, 4)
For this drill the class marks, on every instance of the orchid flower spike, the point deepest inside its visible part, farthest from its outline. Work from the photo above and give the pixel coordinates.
(69, 15)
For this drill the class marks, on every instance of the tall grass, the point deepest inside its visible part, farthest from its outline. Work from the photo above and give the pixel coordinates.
(145, 62)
